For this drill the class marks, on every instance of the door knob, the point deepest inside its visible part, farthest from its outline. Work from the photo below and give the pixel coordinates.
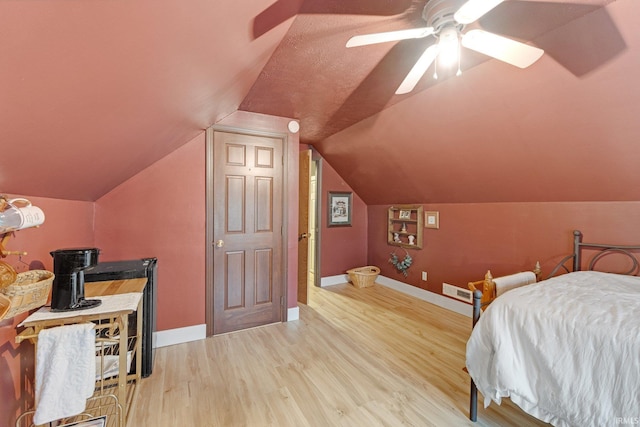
(302, 236)
(219, 243)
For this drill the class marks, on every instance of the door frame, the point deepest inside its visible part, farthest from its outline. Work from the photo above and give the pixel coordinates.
(304, 214)
(317, 159)
(316, 163)
(209, 225)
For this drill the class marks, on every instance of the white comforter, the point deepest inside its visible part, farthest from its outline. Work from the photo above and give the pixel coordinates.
(566, 350)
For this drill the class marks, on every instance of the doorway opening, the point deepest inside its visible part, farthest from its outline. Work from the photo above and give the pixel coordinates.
(309, 223)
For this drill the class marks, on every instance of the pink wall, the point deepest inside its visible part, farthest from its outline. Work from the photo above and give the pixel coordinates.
(342, 248)
(67, 224)
(502, 237)
(160, 213)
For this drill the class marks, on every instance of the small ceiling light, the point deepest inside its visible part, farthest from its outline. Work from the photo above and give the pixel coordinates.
(448, 50)
(448, 47)
(293, 126)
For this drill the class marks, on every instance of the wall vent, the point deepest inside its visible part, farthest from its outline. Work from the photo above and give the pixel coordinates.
(457, 293)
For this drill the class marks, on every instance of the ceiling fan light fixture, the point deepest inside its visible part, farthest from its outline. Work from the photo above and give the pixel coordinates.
(449, 47)
(446, 20)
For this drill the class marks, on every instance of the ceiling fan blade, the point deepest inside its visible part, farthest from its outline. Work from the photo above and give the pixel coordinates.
(418, 70)
(502, 48)
(473, 10)
(391, 36)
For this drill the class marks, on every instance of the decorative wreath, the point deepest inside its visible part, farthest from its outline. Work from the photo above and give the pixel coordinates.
(401, 266)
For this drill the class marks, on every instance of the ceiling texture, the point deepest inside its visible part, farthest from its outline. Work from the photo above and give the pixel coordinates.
(94, 91)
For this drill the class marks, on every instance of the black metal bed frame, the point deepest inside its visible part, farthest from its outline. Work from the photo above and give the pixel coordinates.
(578, 246)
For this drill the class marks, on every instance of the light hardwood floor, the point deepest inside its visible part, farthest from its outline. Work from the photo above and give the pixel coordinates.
(356, 357)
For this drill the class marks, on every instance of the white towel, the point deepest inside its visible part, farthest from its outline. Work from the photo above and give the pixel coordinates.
(65, 371)
(506, 283)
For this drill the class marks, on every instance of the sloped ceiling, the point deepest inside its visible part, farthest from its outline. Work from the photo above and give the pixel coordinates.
(505, 135)
(94, 91)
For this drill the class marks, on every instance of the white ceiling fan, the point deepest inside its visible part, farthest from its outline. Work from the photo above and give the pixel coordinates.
(445, 20)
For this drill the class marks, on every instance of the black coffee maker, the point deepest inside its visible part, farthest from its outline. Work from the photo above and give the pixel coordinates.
(67, 291)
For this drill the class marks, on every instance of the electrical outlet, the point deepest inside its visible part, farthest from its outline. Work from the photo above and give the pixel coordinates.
(424, 276)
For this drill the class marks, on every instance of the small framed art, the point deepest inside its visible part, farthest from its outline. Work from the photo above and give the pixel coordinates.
(339, 209)
(431, 219)
(404, 214)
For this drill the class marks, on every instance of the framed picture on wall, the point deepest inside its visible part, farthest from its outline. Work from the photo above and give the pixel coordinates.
(404, 214)
(339, 209)
(432, 219)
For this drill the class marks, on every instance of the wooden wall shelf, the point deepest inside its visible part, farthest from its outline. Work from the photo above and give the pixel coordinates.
(405, 221)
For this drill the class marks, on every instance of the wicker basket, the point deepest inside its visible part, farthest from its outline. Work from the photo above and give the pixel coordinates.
(7, 274)
(5, 304)
(363, 277)
(30, 290)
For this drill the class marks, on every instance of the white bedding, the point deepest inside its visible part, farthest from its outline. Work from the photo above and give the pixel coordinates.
(566, 350)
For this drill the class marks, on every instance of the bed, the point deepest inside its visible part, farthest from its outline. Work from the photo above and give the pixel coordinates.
(566, 349)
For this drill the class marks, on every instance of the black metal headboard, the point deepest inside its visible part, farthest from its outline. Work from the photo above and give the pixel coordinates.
(602, 250)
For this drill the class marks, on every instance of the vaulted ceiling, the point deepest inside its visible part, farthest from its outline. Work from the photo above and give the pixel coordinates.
(93, 91)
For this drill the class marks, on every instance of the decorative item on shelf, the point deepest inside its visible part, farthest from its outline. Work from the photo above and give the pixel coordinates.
(396, 238)
(404, 214)
(404, 227)
(401, 266)
(412, 239)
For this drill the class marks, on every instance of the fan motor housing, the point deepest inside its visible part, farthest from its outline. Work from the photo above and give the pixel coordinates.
(439, 14)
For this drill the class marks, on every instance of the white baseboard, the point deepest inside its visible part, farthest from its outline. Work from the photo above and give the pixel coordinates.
(293, 313)
(428, 296)
(333, 280)
(422, 294)
(180, 335)
(198, 332)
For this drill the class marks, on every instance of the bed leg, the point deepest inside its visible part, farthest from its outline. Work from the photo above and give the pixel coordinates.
(473, 394)
(473, 403)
